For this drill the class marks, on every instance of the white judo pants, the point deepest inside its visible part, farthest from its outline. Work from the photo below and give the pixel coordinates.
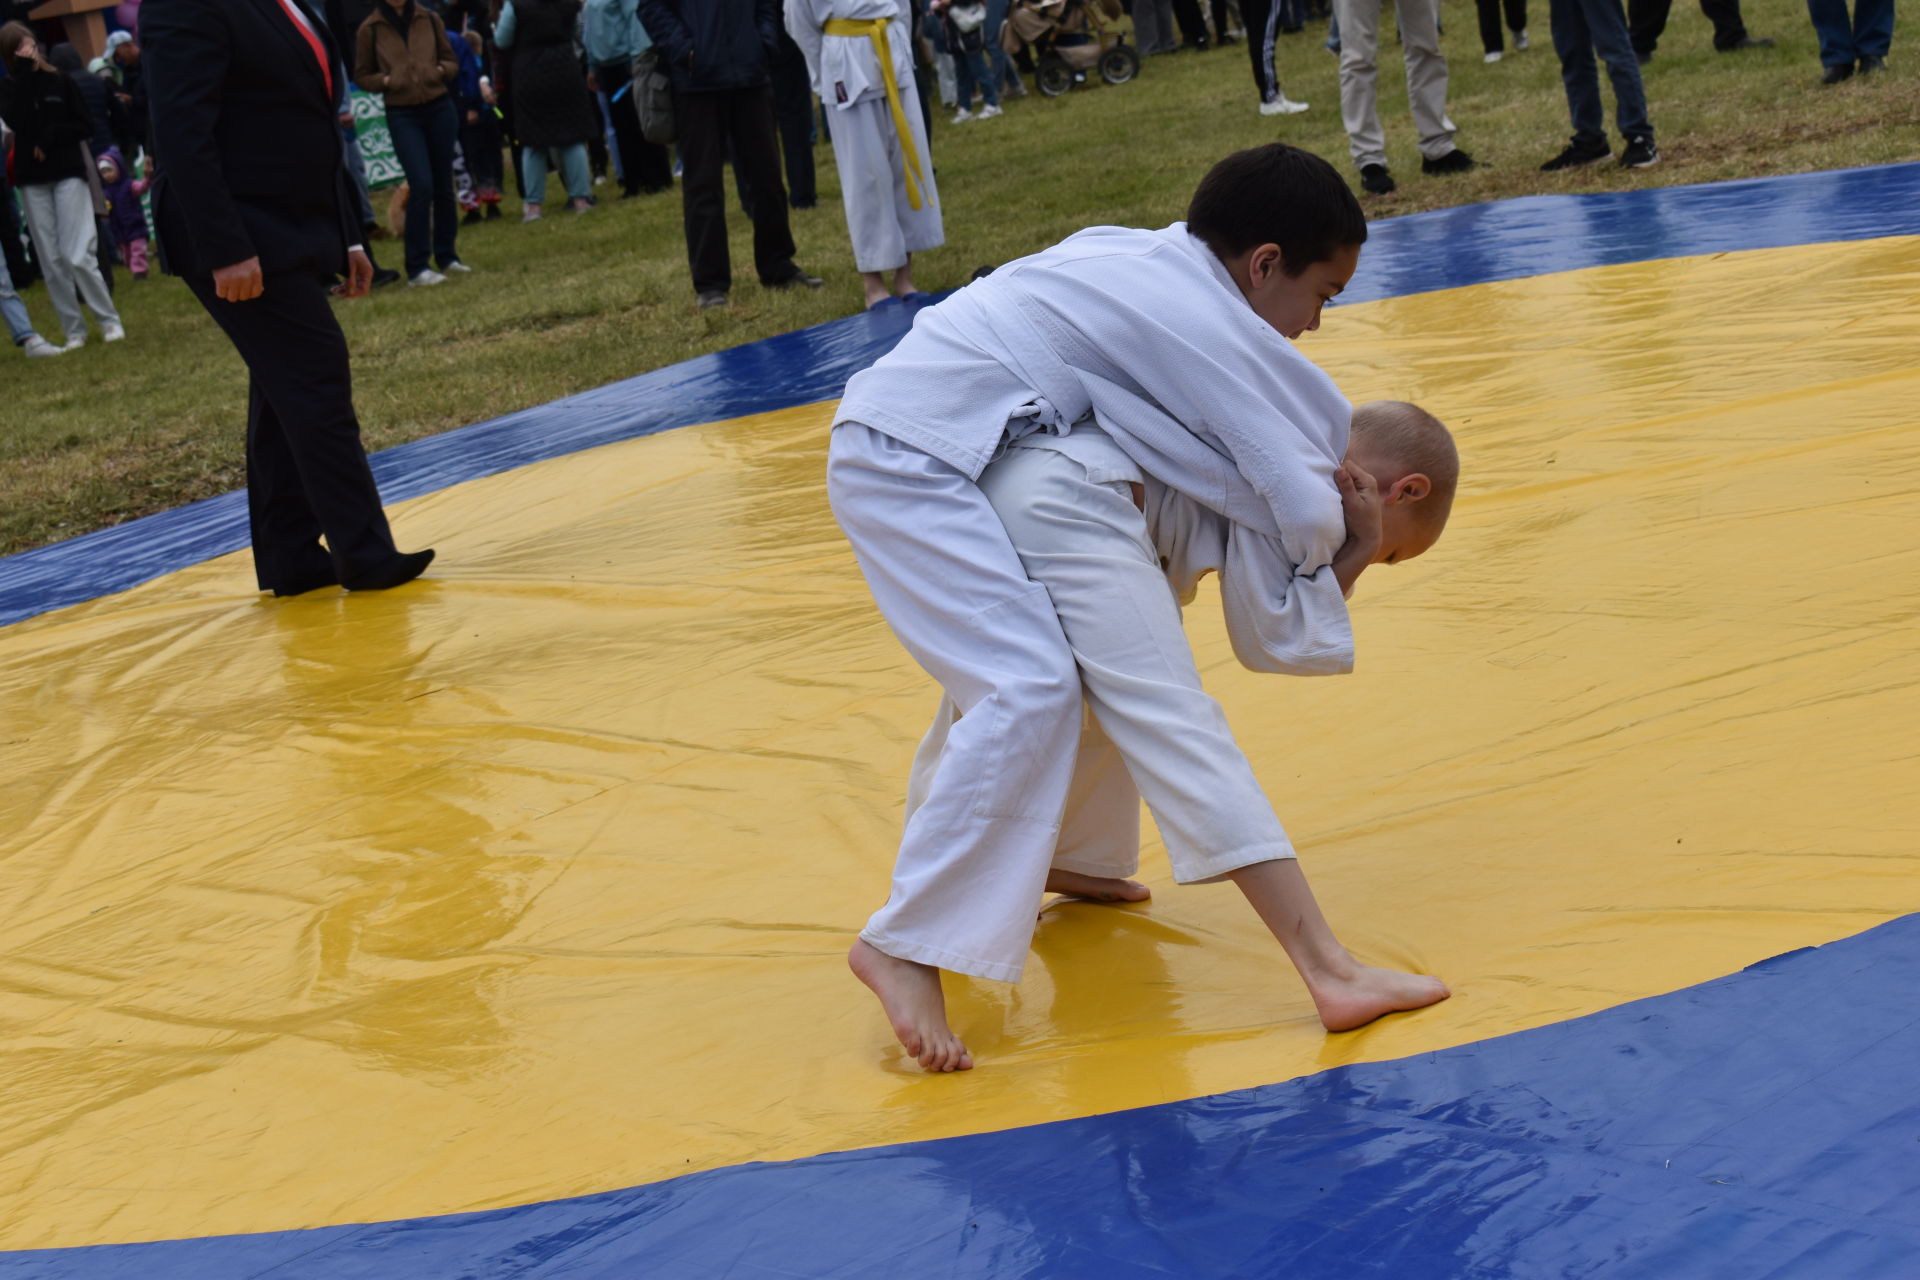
(66, 243)
(1012, 779)
(883, 224)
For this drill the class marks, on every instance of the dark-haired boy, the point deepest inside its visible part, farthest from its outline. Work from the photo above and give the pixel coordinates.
(1178, 342)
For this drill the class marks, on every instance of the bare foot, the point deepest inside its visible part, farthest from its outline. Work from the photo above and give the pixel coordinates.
(910, 993)
(1367, 993)
(1096, 888)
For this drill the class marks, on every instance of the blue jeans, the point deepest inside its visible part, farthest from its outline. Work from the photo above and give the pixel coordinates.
(998, 63)
(969, 69)
(14, 310)
(574, 171)
(423, 139)
(1582, 29)
(1842, 43)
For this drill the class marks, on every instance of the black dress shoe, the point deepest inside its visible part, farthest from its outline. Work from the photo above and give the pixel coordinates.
(405, 566)
(1455, 161)
(798, 277)
(1837, 72)
(1869, 65)
(1375, 180)
(299, 586)
(384, 276)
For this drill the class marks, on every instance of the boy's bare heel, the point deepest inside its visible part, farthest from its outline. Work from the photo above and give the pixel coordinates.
(915, 1005)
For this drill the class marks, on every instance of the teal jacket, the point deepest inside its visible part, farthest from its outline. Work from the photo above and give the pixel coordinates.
(613, 32)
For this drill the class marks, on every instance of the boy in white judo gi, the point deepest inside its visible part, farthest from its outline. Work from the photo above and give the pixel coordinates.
(860, 57)
(1177, 343)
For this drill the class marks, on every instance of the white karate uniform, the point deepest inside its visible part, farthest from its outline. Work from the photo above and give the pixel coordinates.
(1147, 329)
(884, 225)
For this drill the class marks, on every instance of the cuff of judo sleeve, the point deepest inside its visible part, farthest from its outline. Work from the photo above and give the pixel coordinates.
(920, 953)
(1220, 865)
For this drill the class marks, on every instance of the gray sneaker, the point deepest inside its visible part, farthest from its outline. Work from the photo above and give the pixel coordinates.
(37, 347)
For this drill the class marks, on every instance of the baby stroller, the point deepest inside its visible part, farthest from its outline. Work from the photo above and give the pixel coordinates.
(1068, 38)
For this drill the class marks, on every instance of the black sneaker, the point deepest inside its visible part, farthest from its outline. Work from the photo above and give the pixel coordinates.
(1576, 154)
(1870, 64)
(1375, 180)
(1640, 154)
(1455, 161)
(1837, 72)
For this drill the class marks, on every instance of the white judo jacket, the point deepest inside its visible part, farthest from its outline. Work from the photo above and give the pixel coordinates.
(1237, 432)
(846, 69)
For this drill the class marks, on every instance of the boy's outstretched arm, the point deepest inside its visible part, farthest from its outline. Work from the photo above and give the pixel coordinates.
(1360, 503)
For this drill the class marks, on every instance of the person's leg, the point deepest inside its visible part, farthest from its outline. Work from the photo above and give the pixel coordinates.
(1573, 44)
(1835, 27)
(1359, 77)
(357, 170)
(1873, 27)
(1729, 28)
(1646, 23)
(575, 171)
(1492, 40)
(1517, 18)
(965, 83)
(756, 155)
(613, 77)
(861, 154)
(1262, 17)
(533, 180)
(1607, 28)
(1426, 75)
(989, 86)
(982, 827)
(793, 117)
(1088, 544)
(80, 241)
(700, 121)
(408, 131)
(14, 311)
(1099, 847)
(304, 446)
(136, 251)
(1193, 25)
(1146, 26)
(11, 251)
(440, 132)
(43, 226)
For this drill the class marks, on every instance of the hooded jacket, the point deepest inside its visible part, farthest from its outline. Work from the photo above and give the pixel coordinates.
(714, 45)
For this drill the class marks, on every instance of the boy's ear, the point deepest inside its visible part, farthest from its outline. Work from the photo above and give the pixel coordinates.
(1409, 488)
(1264, 263)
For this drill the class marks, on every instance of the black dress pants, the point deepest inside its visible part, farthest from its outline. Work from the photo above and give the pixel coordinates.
(1492, 40)
(1647, 22)
(307, 471)
(644, 166)
(710, 125)
(793, 116)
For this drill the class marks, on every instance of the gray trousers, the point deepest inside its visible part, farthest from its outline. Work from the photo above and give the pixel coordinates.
(66, 241)
(1153, 29)
(1360, 73)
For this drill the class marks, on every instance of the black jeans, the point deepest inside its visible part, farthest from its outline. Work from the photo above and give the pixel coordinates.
(1647, 21)
(709, 125)
(644, 166)
(423, 139)
(307, 471)
(1491, 39)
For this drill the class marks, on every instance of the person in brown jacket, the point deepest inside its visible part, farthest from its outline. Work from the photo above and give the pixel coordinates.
(401, 53)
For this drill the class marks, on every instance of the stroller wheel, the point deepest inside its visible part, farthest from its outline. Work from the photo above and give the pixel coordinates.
(1119, 64)
(1054, 76)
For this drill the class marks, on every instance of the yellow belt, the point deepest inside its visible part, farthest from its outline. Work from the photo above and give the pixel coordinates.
(875, 29)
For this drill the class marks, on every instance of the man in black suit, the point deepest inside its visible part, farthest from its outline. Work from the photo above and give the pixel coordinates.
(254, 212)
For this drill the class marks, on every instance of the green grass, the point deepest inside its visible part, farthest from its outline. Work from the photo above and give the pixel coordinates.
(110, 433)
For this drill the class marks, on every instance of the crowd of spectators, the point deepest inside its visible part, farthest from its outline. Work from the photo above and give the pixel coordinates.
(478, 93)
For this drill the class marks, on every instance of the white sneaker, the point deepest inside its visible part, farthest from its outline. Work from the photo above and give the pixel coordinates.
(112, 332)
(989, 112)
(1282, 106)
(1492, 56)
(427, 276)
(74, 344)
(962, 116)
(1520, 39)
(457, 265)
(531, 212)
(37, 346)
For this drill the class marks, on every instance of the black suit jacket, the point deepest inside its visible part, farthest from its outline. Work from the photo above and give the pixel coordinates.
(245, 137)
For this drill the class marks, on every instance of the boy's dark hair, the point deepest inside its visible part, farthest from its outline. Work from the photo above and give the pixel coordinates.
(1281, 195)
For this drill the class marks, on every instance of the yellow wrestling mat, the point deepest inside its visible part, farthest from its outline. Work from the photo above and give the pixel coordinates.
(534, 878)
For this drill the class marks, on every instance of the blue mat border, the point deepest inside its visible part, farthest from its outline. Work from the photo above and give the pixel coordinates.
(1450, 248)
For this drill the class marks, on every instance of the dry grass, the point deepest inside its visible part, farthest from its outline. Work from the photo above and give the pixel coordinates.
(570, 303)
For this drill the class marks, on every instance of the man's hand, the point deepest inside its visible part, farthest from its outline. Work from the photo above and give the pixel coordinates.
(346, 119)
(473, 117)
(593, 83)
(240, 282)
(359, 275)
